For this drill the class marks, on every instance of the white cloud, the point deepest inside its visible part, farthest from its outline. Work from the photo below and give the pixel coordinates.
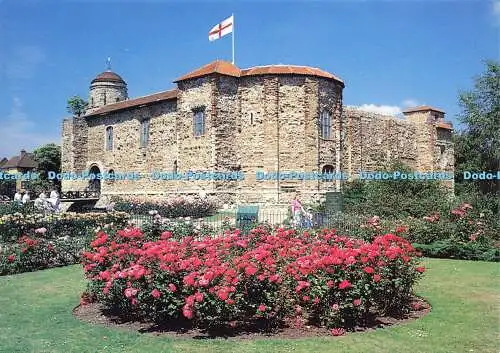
(381, 109)
(24, 61)
(390, 109)
(410, 103)
(496, 11)
(19, 132)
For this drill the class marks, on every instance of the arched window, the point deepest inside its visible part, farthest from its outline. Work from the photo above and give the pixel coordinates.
(199, 123)
(325, 124)
(327, 169)
(144, 133)
(109, 138)
(111, 175)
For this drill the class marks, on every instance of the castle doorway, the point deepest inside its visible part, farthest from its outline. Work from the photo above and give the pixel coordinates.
(95, 183)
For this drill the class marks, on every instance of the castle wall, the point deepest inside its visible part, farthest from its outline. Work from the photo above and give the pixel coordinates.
(373, 141)
(264, 123)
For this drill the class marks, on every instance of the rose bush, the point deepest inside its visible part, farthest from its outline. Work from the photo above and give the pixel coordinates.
(170, 208)
(33, 242)
(270, 276)
(13, 226)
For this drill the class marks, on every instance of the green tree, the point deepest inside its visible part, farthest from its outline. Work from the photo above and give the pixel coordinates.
(477, 146)
(76, 105)
(48, 158)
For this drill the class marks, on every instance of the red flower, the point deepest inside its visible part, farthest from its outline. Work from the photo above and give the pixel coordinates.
(250, 270)
(188, 313)
(155, 293)
(420, 269)
(165, 235)
(229, 301)
(338, 332)
(376, 277)
(345, 284)
(130, 292)
(262, 308)
(330, 284)
(11, 258)
(172, 287)
(222, 294)
(356, 302)
(368, 270)
(198, 296)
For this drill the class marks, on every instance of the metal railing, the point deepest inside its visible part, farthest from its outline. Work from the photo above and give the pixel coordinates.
(220, 221)
(80, 195)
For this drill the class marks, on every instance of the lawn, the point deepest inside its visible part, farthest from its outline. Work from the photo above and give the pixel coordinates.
(35, 316)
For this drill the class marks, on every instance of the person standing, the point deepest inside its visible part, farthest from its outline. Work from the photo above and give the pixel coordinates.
(18, 197)
(296, 211)
(26, 197)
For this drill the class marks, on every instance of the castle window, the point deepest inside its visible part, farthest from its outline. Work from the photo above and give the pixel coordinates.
(328, 169)
(325, 125)
(103, 95)
(111, 175)
(144, 133)
(251, 118)
(199, 123)
(117, 99)
(109, 138)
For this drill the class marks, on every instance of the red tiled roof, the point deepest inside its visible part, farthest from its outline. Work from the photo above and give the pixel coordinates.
(108, 76)
(445, 125)
(228, 69)
(288, 70)
(423, 108)
(24, 160)
(130, 103)
(218, 66)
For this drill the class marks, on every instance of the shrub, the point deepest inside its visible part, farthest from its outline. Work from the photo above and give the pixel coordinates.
(170, 208)
(392, 199)
(13, 226)
(33, 242)
(267, 276)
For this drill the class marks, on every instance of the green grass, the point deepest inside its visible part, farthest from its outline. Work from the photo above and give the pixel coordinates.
(35, 316)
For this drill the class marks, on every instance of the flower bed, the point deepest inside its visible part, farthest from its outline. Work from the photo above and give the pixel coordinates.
(34, 242)
(14, 226)
(462, 233)
(269, 277)
(170, 208)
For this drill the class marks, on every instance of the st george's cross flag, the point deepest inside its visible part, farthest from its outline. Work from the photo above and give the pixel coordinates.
(220, 30)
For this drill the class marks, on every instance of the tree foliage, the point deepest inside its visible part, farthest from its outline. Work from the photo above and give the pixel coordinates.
(395, 198)
(77, 105)
(477, 146)
(48, 158)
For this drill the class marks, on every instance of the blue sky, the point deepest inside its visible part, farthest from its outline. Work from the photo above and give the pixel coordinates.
(391, 54)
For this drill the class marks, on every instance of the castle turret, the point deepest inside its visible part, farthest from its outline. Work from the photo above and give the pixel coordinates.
(107, 88)
(424, 114)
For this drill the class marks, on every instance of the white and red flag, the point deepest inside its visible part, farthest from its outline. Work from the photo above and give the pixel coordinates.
(220, 30)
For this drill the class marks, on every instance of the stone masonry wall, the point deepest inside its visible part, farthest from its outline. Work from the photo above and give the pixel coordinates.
(256, 123)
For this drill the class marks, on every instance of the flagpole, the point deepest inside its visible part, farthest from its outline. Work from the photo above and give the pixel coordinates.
(232, 36)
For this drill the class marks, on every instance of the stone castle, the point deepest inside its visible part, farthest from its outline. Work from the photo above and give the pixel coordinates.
(274, 118)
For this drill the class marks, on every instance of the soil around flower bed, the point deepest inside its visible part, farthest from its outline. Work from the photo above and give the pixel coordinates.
(94, 313)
